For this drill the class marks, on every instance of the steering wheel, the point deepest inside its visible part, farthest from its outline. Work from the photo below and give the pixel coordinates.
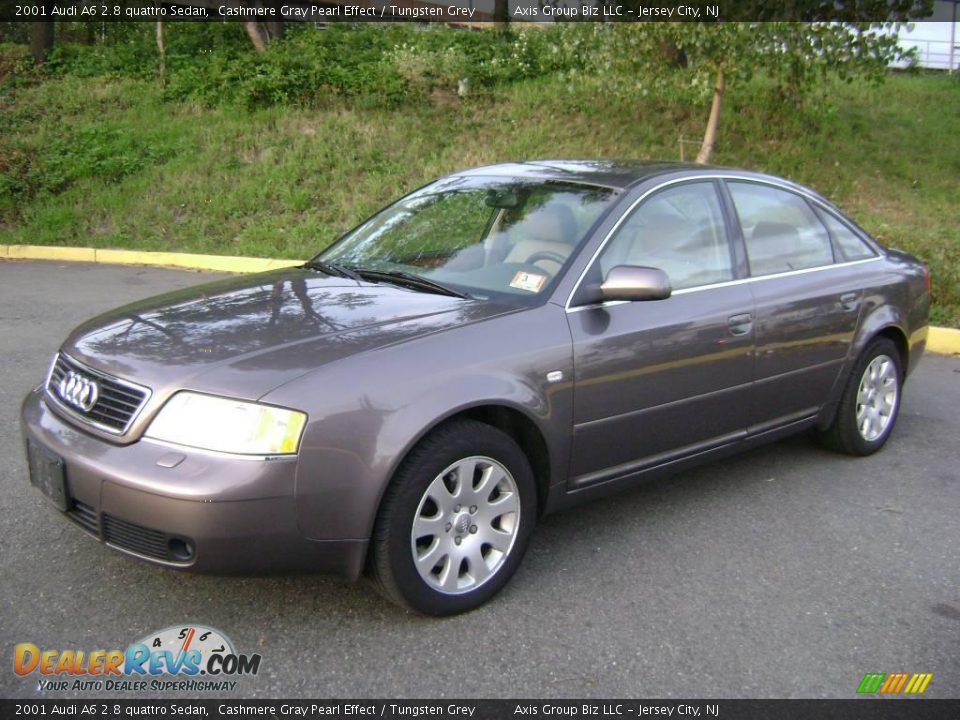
(546, 255)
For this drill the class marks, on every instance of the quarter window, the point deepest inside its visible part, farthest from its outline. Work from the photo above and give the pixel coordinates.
(851, 246)
(781, 231)
(680, 230)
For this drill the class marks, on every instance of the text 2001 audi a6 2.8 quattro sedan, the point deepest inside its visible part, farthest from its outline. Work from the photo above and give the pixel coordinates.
(503, 342)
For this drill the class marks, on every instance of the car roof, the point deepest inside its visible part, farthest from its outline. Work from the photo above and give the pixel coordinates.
(609, 173)
(619, 174)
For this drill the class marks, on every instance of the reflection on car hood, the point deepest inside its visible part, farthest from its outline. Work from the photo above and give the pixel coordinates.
(247, 335)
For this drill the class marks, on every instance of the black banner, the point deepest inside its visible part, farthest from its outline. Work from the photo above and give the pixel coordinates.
(464, 11)
(855, 709)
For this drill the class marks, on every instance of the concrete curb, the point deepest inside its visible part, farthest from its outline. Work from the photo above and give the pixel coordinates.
(225, 263)
(939, 340)
(943, 340)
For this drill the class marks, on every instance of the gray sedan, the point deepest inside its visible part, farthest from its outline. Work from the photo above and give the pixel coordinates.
(501, 343)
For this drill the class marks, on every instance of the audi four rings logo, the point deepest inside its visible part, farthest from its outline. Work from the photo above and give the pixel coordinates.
(79, 391)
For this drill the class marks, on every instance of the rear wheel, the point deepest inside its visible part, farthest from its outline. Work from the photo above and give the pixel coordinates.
(870, 403)
(456, 520)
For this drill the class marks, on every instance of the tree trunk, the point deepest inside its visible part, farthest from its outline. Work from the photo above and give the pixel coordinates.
(41, 40)
(163, 53)
(256, 36)
(277, 29)
(710, 136)
(674, 56)
(501, 13)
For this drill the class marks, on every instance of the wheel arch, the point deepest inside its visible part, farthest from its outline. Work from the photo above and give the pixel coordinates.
(885, 321)
(899, 338)
(509, 419)
(892, 331)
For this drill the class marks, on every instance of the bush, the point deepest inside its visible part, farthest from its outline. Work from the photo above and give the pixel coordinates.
(214, 64)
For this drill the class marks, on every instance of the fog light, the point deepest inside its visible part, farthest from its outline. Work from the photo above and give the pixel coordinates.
(180, 549)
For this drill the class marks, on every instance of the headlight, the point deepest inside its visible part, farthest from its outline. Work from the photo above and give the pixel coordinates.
(225, 425)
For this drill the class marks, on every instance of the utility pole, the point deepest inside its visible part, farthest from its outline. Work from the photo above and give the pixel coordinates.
(953, 35)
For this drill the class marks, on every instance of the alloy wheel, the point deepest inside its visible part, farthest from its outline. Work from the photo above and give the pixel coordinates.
(877, 397)
(465, 525)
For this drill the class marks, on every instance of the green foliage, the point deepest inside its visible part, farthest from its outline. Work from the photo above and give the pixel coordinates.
(42, 157)
(305, 69)
(213, 64)
(641, 58)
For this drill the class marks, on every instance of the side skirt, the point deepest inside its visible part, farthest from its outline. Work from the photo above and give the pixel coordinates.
(570, 496)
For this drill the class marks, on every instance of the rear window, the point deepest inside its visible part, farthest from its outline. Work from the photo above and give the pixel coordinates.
(781, 231)
(850, 245)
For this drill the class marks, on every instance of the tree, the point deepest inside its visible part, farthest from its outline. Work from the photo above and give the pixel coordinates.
(162, 49)
(41, 40)
(795, 55)
(796, 42)
(256, 35)
(501, 13)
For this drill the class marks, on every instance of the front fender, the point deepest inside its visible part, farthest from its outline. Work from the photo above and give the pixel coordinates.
(366, 412)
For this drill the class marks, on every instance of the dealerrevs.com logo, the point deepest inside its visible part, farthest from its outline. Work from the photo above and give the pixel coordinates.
(192, 658)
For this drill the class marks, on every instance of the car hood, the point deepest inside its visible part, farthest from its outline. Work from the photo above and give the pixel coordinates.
(247, 335)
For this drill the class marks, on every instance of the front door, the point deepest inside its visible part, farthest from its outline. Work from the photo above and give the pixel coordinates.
(660, 379)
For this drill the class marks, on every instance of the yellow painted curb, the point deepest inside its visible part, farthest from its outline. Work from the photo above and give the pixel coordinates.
(939, 340)
(41, 252)
(943, 340)
(224, 263)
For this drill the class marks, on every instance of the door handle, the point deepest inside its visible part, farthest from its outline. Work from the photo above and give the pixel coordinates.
(740, 324)
(849, 301)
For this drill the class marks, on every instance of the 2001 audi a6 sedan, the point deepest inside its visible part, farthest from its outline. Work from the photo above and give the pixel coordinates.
(501, 343)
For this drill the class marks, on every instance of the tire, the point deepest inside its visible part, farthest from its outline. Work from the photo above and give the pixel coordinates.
(464, 503)
(877, 381)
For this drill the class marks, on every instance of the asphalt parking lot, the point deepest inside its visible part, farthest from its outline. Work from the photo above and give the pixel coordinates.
(788, 571)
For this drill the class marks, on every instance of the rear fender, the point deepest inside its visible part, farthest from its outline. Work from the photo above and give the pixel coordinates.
(879, 318)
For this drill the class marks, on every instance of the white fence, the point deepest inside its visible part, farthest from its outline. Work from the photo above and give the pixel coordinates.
(933, 53)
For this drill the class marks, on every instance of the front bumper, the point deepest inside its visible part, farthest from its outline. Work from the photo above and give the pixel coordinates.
(184, 508)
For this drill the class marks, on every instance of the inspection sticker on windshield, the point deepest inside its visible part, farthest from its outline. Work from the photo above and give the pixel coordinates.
(531, 282)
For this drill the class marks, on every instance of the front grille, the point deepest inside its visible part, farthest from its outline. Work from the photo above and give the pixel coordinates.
(84, 516)
(136, 538)
(118, 401)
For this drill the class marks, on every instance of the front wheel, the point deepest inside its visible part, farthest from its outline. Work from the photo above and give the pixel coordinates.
(455, 521)
(870, 402)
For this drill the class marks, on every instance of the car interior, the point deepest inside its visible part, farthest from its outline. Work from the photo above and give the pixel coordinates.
(546, 238)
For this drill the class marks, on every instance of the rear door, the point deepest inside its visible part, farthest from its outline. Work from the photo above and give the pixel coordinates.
(655, 380)
(807, 303)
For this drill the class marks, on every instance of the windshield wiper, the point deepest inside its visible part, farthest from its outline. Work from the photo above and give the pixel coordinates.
(332, 269)
(417, 282)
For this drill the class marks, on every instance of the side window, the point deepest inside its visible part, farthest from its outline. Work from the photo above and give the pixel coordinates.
(851, 246)
(679, 230)
(780, 229)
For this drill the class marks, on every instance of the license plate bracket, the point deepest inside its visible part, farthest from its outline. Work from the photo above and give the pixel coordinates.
(48, 474)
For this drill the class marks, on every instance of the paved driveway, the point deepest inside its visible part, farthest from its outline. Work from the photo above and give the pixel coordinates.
(787, 571)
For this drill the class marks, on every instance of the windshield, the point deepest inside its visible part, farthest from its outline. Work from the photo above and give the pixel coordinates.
(481, 236)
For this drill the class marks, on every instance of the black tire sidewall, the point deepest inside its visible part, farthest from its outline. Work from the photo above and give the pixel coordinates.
(454, 443)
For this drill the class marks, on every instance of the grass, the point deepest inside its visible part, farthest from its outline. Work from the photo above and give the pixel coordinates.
(109, 163)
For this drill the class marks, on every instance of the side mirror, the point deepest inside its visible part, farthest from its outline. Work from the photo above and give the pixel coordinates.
(633, 282)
